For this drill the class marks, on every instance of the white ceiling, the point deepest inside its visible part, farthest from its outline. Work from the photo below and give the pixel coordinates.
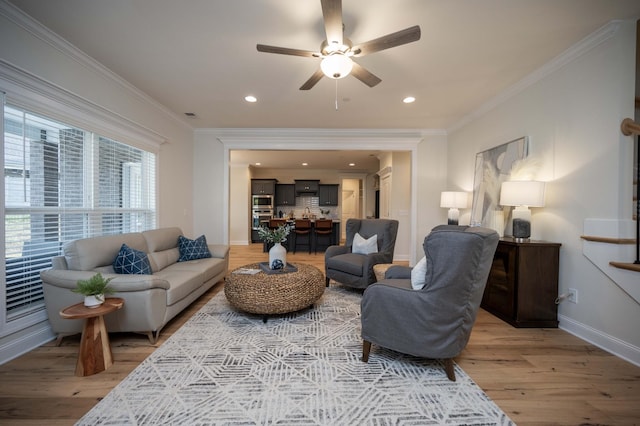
(200, 55)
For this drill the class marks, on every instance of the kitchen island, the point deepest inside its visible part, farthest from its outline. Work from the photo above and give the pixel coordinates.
(289, 244)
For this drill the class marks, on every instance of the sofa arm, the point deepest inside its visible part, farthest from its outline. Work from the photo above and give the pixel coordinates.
(120, 283)
(220, 251)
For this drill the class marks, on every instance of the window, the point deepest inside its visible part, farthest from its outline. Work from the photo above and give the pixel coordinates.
(63, 183)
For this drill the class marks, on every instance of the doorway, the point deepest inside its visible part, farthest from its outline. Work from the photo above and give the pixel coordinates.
(351, 202)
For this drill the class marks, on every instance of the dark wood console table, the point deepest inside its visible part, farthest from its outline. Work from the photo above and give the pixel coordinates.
(523, 283)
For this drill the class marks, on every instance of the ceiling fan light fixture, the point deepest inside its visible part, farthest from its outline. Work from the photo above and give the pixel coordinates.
(336, 66)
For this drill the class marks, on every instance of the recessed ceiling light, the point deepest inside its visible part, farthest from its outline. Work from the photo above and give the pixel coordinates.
(352, 164)
(305, 164)
(250, 98)
(409, 99)
(257, 164)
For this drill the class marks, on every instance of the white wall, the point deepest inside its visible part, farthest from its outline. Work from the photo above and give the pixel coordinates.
(571, 110)
(431, 178)
(239, 204)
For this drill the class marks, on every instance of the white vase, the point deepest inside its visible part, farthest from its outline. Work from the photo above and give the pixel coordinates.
(277, 252)
(94, 301)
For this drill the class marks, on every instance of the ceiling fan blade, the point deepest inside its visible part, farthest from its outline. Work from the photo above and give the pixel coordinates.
(332, 14)
(312, 81)
(398, 38)
(287, 51)
(364, 76)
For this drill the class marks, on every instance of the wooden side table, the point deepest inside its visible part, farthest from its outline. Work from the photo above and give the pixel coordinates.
(94, 354)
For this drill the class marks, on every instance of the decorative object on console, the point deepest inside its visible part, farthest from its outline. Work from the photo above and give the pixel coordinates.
(453, 201)
(493, 167)
(522, 194)
(94, 289)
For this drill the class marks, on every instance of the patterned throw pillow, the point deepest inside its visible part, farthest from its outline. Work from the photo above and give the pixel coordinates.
(131, 261)
(193, 249)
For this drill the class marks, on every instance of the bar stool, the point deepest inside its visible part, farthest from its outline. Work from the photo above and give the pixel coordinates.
(303, 234)
(324, 229)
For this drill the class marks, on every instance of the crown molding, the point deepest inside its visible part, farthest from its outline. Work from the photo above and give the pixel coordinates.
(40, 96)
(35, 28)
(588, 43)
(319, 139)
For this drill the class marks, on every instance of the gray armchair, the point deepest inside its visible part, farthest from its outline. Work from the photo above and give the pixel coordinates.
(354, 269)
(434, 322)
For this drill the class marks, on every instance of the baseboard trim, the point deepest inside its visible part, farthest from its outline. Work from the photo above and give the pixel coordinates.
(602, 340)
(40, 334)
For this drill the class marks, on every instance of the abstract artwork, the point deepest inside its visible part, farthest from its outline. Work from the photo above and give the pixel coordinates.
(493, 167)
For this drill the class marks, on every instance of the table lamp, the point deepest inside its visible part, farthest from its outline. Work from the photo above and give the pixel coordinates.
(453, 201)
(522, 194)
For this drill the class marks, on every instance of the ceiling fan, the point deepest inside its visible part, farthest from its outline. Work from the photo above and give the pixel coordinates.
(337, 51)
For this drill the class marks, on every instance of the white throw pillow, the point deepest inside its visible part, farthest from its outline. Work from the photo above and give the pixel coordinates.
(418, 274)
(362, 246)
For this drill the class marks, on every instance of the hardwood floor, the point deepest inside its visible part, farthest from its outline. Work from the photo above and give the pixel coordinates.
(537, 376)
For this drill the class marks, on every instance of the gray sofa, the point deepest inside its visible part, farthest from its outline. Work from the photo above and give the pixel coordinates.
(150, 300)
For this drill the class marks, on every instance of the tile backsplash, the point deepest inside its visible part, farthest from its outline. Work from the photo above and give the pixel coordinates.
(300, 209)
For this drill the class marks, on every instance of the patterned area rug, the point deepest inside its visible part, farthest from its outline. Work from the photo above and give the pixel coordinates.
(225, 367)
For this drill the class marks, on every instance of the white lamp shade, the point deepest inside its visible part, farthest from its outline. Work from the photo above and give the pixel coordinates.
(336, 66)
(452, 199)
(522, 193)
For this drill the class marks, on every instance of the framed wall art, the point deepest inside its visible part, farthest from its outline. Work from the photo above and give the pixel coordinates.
(492, 167)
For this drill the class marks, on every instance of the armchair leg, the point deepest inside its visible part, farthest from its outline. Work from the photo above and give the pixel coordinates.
(366, 348)
(326, 280)
(448, 368)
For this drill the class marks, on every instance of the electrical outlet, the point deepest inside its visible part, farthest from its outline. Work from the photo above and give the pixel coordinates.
(572, 295)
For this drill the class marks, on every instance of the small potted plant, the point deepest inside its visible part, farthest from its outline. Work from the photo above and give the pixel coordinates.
(94, 289)
(276, 236)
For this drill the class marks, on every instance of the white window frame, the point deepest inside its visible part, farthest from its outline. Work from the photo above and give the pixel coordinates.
(27, 91)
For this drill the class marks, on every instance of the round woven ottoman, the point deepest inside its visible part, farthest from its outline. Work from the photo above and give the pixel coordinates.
(276, 293)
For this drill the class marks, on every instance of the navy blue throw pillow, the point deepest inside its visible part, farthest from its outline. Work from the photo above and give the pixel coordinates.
(131, 261)
(193, 249)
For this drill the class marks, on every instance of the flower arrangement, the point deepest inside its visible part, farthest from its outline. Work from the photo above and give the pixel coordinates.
(277, 235)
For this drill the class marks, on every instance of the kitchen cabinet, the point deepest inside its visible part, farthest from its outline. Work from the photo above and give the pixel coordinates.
(307, 187)
(263, 186)
(328, 195)
(285, 194)
(523, 283)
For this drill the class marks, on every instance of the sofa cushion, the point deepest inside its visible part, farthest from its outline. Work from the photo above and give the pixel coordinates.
(131, 261)
(161, 259)
(208, 268)
(90, 253)
(193, 249)
(365, 246)
(182, 282)
(162, 239)
(351, 263)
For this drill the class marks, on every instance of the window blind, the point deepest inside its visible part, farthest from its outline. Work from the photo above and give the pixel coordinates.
(63, 183)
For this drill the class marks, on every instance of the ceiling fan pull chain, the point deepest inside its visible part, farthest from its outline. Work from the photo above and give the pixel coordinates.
(336, 94)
